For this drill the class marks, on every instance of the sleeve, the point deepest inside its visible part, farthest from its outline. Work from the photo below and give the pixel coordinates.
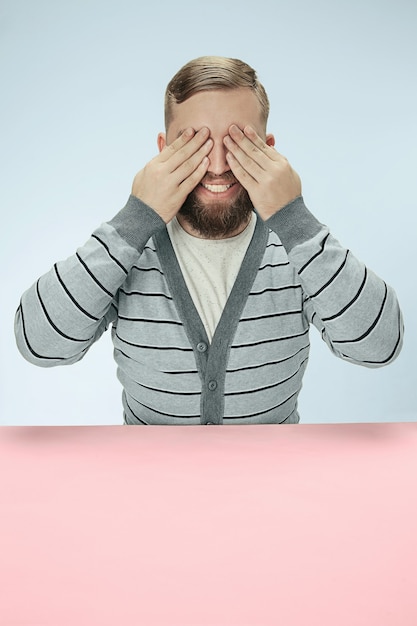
(69, 308)
(355, 311)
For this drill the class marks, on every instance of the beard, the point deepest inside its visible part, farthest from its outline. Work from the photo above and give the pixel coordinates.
(217, 219)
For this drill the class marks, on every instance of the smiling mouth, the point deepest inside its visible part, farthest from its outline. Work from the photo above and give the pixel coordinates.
(217, 188)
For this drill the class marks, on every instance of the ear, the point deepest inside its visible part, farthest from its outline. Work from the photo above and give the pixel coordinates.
(270, 140)
(161, 141)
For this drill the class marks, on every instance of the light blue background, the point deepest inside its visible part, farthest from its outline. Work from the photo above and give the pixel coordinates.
(82, 86)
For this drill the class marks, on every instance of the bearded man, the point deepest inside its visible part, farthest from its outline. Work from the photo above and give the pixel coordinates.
(213, 272)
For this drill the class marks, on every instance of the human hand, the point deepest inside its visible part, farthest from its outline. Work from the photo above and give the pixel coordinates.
(266, 175)
(165, 182)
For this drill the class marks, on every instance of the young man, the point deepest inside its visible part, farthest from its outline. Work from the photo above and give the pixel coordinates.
(212, 273)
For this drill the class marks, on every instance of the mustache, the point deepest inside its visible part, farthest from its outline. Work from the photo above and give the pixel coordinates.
(226, 178)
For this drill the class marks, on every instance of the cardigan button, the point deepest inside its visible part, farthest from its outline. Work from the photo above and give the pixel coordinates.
(212, 385)
(201, 347)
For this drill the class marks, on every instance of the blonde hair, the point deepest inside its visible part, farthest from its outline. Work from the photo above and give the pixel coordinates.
(213, 72)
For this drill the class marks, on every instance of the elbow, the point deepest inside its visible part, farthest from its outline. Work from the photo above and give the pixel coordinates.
(33, 354)
(378, 351)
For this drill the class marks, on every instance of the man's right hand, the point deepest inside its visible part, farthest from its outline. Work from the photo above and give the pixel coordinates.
(165, 182)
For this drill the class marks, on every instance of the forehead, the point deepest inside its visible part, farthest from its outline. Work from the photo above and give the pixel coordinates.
(217, 109)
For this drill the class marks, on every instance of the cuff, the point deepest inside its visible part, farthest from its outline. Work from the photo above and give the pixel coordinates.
(137, 222)
(294, 224)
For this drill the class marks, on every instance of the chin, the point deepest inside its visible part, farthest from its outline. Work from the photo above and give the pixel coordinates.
(217, 218)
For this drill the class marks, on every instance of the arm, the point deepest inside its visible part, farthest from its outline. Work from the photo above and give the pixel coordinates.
(356, 313)
(69, 308)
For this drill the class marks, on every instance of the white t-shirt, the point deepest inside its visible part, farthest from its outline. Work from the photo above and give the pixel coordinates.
(209, 267)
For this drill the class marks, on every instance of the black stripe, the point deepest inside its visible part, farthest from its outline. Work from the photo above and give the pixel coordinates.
(174, 372)
(148, 269)
(141, 293)
(134, 414)
(150, 321)
(124, 354)
(372, 326)
(273, 265)
(337, 272)
(258, 343)
(263, 317)
(106, 291)
(390, 356)
(273, 244)
(38, 356)
(138, 345)
(105, 246)
(263, 412)
(71, 297)
(315, 255)
(271, 289)
(161, 413)
(53, 325)
(281, 382)
(253, 367)
(173, 393)
(349, 304)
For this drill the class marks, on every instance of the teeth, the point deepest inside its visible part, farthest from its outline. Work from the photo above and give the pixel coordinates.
(217, 188)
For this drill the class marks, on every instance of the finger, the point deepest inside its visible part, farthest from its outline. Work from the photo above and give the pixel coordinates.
(185, 169)
(270, 151)
(251, 143)
(245, 160)
(259, 142)
(184, 146)
(189, 183)
(194, 149)
(239, 172)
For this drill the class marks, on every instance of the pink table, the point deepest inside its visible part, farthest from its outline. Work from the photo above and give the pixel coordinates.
(294, 525)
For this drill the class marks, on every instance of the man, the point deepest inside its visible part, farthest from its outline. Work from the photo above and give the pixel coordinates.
(212, 273)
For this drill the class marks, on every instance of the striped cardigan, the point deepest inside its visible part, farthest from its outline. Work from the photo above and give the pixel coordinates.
(294, 274)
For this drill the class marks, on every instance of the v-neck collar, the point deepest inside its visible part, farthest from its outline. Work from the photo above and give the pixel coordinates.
(230, 317)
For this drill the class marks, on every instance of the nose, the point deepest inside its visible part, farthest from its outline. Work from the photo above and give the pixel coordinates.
(217, 156)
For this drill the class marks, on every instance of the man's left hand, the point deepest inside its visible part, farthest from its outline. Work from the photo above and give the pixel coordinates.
(266, 175)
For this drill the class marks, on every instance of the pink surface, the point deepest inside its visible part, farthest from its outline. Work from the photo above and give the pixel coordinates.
(215, 526)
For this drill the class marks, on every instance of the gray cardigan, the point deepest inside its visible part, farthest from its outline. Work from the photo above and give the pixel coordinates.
(294, 274)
